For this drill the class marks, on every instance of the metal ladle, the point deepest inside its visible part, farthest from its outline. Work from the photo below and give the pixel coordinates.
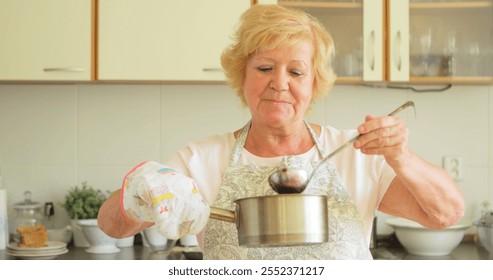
(293, 180)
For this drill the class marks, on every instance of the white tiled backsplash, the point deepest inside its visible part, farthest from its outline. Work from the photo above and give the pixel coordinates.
(55, 136)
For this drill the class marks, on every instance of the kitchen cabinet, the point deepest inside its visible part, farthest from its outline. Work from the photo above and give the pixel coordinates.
(451, 41)
(46, 40)
(165, 40)
(411, 41)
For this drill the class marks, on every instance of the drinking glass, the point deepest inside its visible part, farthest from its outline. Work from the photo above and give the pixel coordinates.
(425, 41)
(450, 51)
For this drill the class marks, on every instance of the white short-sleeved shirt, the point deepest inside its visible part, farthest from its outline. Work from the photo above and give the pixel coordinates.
(366, 178)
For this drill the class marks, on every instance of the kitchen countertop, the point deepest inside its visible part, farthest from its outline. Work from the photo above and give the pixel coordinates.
(389, 248)
(465, 251)
(136, 252)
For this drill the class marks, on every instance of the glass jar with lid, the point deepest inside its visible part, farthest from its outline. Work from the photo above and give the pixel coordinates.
(26, 213)
(485, 231)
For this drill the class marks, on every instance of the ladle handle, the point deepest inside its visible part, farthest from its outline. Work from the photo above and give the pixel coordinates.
(222, 215)
(402, 107)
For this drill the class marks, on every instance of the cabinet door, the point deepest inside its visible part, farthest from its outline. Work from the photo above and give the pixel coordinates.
(45, 40)
(165, 39)
(357, 27)
(373, 44)
(398, 40)
(451, 41)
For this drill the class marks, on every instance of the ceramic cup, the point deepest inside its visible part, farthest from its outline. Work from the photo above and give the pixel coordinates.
(189, 240)
(156, 242)
(125, 242)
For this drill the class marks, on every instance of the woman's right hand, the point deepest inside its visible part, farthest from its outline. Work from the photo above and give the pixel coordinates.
(157, 194)
(116, 223)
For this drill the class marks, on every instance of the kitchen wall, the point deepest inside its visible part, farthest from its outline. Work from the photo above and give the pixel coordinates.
(55, 136)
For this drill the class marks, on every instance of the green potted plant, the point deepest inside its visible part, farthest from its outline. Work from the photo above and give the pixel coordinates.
(82, 203)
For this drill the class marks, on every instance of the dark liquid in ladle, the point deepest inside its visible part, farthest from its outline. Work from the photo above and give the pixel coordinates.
(288, 189)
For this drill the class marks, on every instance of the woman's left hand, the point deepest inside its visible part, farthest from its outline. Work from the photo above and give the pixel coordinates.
(387, 136)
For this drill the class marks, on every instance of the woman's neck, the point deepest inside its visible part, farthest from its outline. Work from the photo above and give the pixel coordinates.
(266, 141)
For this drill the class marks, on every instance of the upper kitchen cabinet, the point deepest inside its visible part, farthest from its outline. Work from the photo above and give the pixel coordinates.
(165, 40)
(451, 41)
(45, 40)
(412, 41)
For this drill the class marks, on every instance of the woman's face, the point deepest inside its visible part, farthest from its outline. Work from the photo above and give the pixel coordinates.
(278, 84)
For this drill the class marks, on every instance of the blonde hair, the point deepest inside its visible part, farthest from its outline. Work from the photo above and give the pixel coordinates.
(264, 27)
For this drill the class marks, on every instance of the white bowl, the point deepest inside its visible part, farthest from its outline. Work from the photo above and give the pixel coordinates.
(100, 242)
(422, 241)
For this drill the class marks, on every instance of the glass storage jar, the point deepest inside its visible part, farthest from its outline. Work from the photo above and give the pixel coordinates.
(26, 213)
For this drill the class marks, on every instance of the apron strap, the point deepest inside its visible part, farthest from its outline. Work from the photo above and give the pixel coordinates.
(239, 144)
(315, 139)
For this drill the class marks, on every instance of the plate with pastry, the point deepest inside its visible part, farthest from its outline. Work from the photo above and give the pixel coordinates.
(48, 246)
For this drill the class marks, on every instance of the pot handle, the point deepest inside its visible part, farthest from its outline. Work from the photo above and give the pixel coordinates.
(222, 214)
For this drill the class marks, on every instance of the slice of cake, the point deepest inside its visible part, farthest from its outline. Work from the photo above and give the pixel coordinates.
(32, 236)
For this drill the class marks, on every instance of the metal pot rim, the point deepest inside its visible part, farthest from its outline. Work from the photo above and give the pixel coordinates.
(279, 196)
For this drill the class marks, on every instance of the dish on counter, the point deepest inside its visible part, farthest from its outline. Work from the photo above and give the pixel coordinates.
(422, 241)
(50, 251)
(37, 256)
(103, 249)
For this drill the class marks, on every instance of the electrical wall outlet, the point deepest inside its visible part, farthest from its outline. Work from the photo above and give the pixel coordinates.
(453, 166)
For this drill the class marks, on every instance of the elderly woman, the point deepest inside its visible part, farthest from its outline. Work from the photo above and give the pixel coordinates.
(279, 65)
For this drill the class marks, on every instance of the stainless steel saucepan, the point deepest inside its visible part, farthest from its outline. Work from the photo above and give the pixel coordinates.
(278, 220)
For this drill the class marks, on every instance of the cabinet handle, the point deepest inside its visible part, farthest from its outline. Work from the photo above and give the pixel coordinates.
(396, 51)
(63, 69)
(370, 50)
(212, 69)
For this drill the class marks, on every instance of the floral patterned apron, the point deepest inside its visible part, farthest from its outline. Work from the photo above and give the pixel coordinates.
(346, 238)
